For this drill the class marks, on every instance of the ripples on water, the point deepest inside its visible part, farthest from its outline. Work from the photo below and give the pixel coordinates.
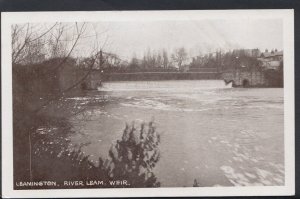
(221, 136)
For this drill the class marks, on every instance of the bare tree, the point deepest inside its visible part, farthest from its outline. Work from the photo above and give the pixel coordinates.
(179, 56)
(27, 44)
(35, 43)
(165, 59)
(159, 60)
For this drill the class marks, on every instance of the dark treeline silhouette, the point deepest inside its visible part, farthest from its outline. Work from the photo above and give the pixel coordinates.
(225, 60)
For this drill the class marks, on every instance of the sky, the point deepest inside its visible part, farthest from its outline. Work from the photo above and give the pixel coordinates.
(198, 37)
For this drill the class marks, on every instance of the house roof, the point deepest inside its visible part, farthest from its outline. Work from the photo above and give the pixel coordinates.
(272, 54)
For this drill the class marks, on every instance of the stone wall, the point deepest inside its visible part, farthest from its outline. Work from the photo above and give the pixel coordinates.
(245, 78)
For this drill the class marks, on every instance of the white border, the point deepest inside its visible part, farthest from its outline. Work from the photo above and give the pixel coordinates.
(289, 123)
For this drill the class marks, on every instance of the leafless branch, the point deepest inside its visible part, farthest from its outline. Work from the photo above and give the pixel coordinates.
(79, 33)
(43, 34)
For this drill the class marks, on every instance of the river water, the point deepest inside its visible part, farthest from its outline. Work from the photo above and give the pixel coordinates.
(218, 135)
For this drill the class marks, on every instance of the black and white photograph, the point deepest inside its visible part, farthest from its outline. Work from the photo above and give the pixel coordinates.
(113, 101)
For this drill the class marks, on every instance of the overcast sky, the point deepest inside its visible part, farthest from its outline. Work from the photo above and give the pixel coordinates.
(128, 38)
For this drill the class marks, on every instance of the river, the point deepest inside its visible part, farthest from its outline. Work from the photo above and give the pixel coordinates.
(218, 135)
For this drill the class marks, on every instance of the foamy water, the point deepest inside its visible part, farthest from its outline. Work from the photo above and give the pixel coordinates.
(218, 135)
(170, 86)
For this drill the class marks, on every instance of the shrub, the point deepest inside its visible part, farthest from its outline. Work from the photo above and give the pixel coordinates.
(135, 156)
(132, 158)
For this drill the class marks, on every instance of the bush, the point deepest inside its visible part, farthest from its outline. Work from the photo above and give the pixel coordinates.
(132, 158)
(135, 156)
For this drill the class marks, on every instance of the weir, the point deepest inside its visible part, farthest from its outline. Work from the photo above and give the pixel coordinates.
(96, 77)
(164, 86)
(240, 77)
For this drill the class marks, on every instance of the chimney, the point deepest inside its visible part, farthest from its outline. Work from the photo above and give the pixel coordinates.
(266, 50)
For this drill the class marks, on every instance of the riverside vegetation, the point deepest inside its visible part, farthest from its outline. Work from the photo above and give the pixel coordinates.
(42, 148)
(131, 158)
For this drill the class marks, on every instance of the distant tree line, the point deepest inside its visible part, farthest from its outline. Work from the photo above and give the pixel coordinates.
(151, 61)
(178, 60)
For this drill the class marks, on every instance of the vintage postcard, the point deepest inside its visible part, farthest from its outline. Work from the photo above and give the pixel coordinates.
(148, 103)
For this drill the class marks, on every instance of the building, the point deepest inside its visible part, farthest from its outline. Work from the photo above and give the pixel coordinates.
(271, 60)
(268, 72)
